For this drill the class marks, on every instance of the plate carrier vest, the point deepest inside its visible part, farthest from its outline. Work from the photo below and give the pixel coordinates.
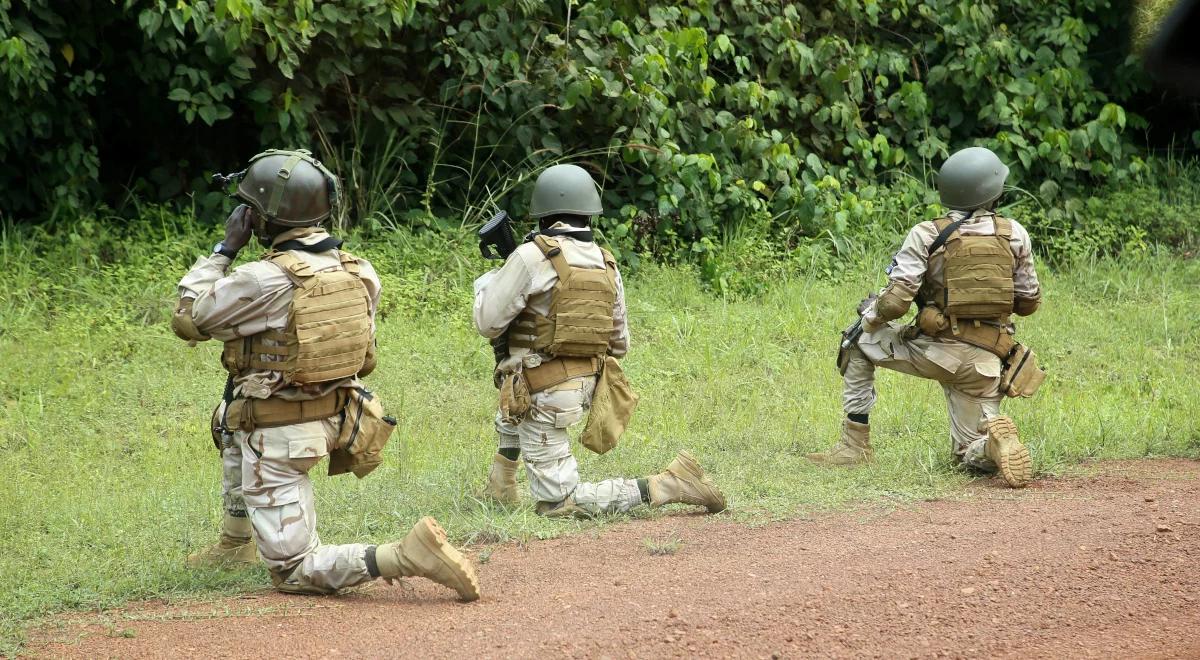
(580, 322)
(328, 328)
(976, 292)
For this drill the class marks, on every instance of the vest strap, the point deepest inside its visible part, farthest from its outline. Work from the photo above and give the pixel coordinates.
(947, 229)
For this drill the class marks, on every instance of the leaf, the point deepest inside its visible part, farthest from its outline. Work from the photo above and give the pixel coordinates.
(208, 114)
(68, 53)
(179, 94)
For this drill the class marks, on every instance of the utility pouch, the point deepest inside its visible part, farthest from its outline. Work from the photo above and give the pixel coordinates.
(612, 407)
(1021, 376)
(365, 432)
(515, 400)
(932, 321)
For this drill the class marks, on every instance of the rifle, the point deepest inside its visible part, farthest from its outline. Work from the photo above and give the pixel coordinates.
(850, 337)
(496, 238)
(497, 241)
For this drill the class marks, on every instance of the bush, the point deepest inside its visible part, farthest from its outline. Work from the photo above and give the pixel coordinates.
(698, 117)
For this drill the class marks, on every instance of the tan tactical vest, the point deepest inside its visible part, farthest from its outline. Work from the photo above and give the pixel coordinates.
(976, 291)
(328, 329)
(580, 322)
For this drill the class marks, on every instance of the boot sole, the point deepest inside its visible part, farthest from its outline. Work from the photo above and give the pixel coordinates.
(1012, 458)
(433, 537)
(686, 467)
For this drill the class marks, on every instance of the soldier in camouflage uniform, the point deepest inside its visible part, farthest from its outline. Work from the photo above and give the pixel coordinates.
(298, 327)
(559, 333)
(969, 272)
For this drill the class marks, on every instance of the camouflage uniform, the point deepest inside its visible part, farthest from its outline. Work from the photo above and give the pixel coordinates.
(266, 471)
(526, 281)
(969, 375)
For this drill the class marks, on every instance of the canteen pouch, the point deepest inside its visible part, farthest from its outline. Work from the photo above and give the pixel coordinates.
(365, 432)
(1021, 376)
(613, 404)
(515, 400)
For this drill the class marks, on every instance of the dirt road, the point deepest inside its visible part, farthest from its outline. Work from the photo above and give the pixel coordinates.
(1100, 566)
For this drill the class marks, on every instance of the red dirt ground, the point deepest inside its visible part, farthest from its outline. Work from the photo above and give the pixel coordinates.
(1099, 566)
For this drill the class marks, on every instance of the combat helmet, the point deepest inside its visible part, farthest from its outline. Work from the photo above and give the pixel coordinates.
(971, 178)
(565, 190)
(289, 188)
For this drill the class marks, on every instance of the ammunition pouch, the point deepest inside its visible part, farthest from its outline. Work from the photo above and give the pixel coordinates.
(1021, 376)
(514, 398)
(365, 432)
(559, 370)
(250, 414)
(612, 407)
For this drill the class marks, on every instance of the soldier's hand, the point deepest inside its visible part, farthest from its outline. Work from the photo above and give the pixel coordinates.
(237, 228)
(866, 302)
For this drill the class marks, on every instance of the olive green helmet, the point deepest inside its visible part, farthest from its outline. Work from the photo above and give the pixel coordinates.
(290, 188)
(565, 189)
(971, 178)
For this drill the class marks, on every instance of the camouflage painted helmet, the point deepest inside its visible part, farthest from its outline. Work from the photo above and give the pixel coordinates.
(565, 189)
(289, 188)
(971, 178)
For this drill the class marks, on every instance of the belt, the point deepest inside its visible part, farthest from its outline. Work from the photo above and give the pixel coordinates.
(991, 336)
(250, 414)
(558, 370)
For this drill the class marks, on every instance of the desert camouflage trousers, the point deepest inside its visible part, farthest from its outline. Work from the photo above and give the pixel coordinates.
(266, 476)
(545, 444)
(969, 375)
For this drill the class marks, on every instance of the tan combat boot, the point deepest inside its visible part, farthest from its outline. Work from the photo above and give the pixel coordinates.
(426, 553)
(502, 481)
(235, 547)
(854, 447)
(1011, 457)
(684, 483)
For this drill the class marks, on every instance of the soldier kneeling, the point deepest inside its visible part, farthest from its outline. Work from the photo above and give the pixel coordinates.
(299, 331)
(559, 302)
(969, 272)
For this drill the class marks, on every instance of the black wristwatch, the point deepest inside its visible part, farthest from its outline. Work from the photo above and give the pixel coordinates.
(220, 249)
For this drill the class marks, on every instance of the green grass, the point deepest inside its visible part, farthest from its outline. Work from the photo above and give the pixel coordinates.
(110, 478)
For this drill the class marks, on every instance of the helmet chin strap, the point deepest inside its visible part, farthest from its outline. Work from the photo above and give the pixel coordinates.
(260, 229)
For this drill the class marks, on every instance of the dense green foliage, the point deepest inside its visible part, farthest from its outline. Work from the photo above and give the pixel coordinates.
(111, 479)
(697, 116)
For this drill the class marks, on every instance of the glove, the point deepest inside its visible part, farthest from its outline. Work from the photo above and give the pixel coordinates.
(867, 302)
(237, 229)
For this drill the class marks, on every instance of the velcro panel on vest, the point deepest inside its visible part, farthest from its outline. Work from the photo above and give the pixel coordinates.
(331, 322)
(583, 314)
(329, 325)
(581, 306)
(978, 274)
(559, 370)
